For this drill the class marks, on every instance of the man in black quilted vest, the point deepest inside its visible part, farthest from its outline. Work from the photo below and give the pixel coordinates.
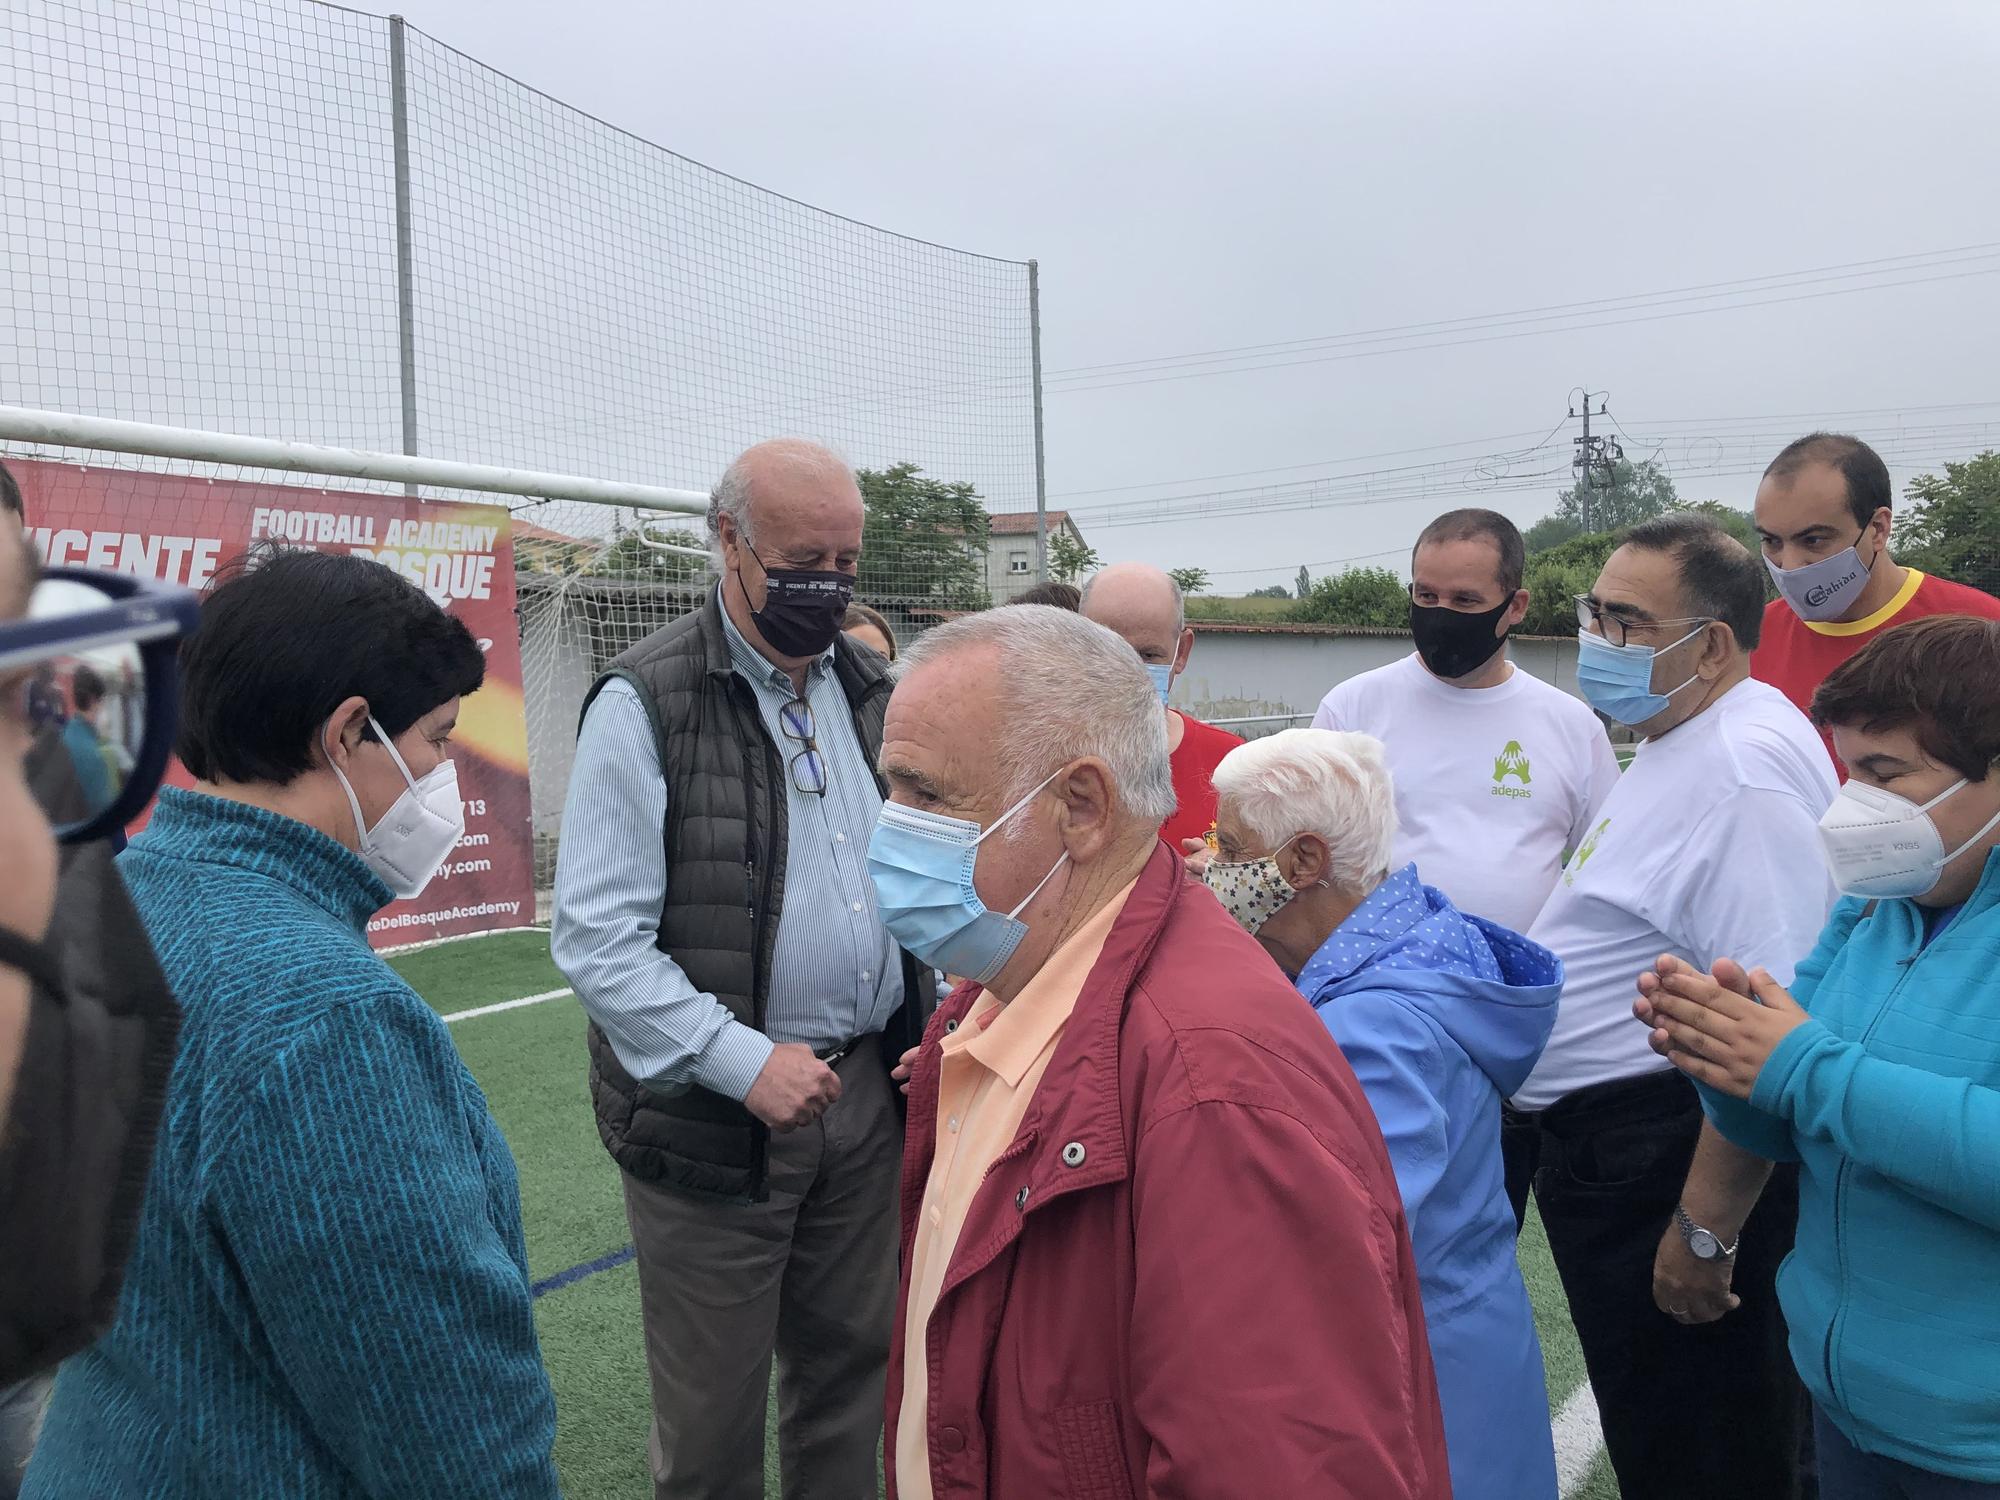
(714, 913)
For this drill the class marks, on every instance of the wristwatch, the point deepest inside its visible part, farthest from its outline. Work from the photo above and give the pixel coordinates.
(1703, 1244)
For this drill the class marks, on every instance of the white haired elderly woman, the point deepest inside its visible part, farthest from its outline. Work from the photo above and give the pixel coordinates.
(1441, 1016)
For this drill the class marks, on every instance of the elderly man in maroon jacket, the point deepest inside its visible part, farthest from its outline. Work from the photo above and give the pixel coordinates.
(1152, 1244)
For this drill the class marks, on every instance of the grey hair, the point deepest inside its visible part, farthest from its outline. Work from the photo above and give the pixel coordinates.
(1332, 783)
(1070, 688)
(731, 495)
(1180, 599)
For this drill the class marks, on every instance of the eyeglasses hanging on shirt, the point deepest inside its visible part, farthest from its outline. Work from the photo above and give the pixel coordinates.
(808, 765)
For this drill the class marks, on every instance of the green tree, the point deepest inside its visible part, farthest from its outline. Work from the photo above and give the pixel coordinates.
(1270, 591)
(1557, 576)
(1069, 558)
(1738, 523)
(1191, 580)
(1637, 492)
(1358, 597)
(1305, 583)
(922, 539)
(1954, 530)
(630, 557)
(1548, 533)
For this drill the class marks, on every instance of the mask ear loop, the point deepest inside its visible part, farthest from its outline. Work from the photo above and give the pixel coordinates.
(1991, 823)
(353, 803)
(1061, 860)
(394, 754)
(1032, 795)
(1322, 883)
(996, 824)
(1669, 693)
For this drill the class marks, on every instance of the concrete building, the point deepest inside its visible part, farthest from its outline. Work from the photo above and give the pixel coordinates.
(1010, 551)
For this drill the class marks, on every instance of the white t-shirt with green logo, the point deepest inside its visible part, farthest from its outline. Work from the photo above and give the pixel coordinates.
(1493, 785)
(1708, 848)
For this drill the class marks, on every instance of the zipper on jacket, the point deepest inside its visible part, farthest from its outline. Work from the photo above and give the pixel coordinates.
(1841, 1178)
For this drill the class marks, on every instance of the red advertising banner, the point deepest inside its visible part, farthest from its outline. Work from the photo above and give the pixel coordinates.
(181, 530)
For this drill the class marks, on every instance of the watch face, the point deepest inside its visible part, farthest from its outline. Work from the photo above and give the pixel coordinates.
(1704, 1245)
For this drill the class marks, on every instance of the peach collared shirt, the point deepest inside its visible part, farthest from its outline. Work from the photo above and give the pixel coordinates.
(991, 1067)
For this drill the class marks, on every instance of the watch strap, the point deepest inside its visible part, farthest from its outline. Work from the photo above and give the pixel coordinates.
(1688, 1228)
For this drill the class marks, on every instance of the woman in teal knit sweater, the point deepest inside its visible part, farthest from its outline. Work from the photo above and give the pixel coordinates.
(329, 1292)
(1880, 1075)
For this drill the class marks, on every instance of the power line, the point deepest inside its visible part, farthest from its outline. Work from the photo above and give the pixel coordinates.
(1575, 327)
(1399, 339)
(1415, 484)
(1155, 484)
(1331, 562)
(1718, 288)
(1779, 436)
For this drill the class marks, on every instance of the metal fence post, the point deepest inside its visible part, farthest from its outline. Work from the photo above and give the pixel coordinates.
(1041, 476)
(406, 295)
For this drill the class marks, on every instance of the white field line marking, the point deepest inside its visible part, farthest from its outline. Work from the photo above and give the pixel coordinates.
(1579, 1439)
(489, 1010)
(462, 937)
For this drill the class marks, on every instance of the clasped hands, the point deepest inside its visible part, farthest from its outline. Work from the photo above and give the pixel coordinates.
(1720, 1028)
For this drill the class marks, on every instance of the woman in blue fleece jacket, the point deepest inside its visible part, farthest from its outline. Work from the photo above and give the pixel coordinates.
(328, 1296)
(1880, 1075)
(1441, 1016)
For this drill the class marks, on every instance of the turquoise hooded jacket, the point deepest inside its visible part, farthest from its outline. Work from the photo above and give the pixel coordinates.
(1889, 1099)
(1442, 1016)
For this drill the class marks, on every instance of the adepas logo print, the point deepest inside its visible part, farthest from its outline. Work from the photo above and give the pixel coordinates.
(1583, 853)
(1512, 761)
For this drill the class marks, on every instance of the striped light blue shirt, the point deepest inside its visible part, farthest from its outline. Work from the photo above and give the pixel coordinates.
(835, 974)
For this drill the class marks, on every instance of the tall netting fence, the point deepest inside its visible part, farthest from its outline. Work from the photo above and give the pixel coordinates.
(289, 220)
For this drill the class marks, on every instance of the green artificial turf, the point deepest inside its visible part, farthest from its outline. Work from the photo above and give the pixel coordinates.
(532, 1065)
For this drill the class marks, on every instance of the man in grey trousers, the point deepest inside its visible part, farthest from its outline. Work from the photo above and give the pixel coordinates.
(714, 913)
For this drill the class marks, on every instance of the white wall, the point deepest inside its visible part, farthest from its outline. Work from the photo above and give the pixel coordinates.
(1236, 674)
(1003, 585)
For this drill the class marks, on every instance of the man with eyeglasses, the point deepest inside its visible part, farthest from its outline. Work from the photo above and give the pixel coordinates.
(1707, 848)
(714, 912)
(1824, 513)
(1497, 773)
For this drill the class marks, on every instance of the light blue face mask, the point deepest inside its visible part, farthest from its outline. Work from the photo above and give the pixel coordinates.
(1617, 681)
(922, 863)
(1162, 673)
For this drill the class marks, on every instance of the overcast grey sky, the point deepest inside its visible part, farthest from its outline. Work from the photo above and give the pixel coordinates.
(1194, 178)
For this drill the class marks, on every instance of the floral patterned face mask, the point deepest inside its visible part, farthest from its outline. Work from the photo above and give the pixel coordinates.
(1253, 891)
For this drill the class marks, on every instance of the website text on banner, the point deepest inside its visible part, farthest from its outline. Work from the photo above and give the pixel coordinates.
(182, 529)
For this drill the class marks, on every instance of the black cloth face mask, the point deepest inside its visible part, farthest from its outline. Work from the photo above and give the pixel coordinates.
(76, 1147)
(803, 607)
(1453, 643)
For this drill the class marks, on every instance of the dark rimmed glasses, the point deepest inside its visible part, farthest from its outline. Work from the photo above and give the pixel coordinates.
(1589, 613)
(808, 765)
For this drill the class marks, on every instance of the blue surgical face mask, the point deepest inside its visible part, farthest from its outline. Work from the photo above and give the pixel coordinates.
(922, 863)
(1617, 681)
(1162, 673)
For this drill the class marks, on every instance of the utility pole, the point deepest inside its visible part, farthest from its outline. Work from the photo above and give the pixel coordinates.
(1593, 455)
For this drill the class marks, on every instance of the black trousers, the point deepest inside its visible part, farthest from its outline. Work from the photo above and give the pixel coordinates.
(1709, 1412)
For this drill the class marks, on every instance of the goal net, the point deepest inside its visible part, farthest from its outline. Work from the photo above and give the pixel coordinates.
(272, 219)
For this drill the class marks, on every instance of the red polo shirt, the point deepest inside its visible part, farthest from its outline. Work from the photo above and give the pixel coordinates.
(1200, 751)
